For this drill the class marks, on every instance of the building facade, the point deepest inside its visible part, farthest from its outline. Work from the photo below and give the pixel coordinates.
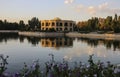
(57, 25)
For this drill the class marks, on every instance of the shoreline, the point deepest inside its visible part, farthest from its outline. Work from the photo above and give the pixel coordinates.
(42, 34)
(95, 36)
(9, 31)
(70, 34)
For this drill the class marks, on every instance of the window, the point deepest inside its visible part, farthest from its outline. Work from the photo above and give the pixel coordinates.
(70, 29)
(60, 28)
(53, 43)
(60, 24)
(66, 24)
(70, 24)
(60, 43)
(47, 24)
(46, 28)
(57, 24)
(53, 24)
(57, 29)
(65, 43)
(42, 42)
(65, 29)
(42, 24)
(46, 42)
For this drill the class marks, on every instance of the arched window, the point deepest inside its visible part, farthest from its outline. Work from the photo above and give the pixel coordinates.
(70, 29)
(57, 24)
(60, 24)
(47, 24)
(42, 24)
(66, 24)
(65, 29)
(70, 24)
(53, 24)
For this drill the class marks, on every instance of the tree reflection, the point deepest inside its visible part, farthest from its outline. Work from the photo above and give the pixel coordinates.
(109, 44)
(4, 37)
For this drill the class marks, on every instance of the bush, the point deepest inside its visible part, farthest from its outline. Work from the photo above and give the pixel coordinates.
(62, 69)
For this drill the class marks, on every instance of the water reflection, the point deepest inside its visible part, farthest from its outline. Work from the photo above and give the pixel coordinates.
(109, 44)
(60, 41)
(4, 37)
(26, 49)
(57, 42)
(32, 40)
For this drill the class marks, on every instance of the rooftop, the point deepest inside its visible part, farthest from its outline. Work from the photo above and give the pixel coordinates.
(57, 18)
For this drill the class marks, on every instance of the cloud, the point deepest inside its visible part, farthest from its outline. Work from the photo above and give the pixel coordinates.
(68, 1)
(103, 6)
(93, 10)
(78, 8)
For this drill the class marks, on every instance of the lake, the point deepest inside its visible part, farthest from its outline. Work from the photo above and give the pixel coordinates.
(22, 49)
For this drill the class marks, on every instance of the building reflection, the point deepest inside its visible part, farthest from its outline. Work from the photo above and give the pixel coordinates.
(57, 42)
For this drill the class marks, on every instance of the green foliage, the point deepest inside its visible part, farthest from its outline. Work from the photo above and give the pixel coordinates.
(22, 25)
(100, 24)
(33, 71)
(94, 24)
(62, 69)
(4, 25)
(34, 24)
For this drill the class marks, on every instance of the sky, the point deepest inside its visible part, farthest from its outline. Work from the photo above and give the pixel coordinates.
(77, 10)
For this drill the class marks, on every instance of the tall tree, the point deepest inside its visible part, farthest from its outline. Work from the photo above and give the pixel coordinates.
(1, 24)
(119, 19)
(115, 18)
(34, 24)
(108, 23)
(116, 24)
(21, 25)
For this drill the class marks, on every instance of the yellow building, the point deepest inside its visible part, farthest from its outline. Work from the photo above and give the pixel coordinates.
(57, 25)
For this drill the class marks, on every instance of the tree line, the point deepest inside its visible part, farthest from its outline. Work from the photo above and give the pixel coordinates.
(94, 24)
(33, 25)
(100, 24)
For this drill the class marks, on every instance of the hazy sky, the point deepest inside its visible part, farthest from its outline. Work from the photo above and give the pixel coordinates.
(78, 10)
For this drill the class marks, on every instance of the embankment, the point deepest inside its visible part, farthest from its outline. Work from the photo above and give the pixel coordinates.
(95, 36)
(41, 34)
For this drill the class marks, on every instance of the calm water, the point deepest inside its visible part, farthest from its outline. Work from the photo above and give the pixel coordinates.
(27, 49)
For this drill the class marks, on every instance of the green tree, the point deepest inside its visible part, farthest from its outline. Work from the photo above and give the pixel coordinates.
(22, 25)
(34, 24)
(108, 23)
(119, 19)
(116, 24)
(115, 18)
(81, 26)
(93, 24)
(1, 24)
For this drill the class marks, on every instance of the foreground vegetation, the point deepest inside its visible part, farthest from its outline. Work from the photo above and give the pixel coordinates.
(62, 69)
(95, 24)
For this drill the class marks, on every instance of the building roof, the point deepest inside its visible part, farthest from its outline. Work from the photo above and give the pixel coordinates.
(57, 18)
